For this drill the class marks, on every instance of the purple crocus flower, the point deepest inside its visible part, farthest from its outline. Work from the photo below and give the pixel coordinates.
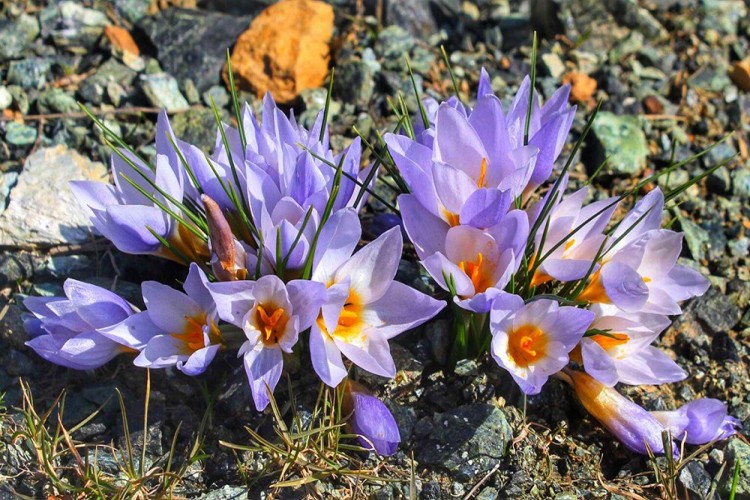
(567, 221)
(532, 341)
(127, 217)
(272, 315)
(498, 133)
(640, 271)
(370, 419)
(623, 351)
(365, 307)
(181, 326)
(68, 330)
(638, 430)
(480, 263)
(699, 422)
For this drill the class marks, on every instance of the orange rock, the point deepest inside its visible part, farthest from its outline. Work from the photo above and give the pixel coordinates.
(122, 39)
(740, 74)
(582, 86)
(285, 50)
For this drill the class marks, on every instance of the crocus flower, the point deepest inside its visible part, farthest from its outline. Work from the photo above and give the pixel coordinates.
(272, 315)
(370, 419)
(643, 274)
(572, 233)
(479, 263)
(532, 341)
(68, 330)
(638, 430)
(622, 352)
(181, 326)
(699, 422)
(365, 306)
(129, 219)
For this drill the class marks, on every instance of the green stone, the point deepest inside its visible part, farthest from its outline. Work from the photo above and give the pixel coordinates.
(622, 141)
(19, 134)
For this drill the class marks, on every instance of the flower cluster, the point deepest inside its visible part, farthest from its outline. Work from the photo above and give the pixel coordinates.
(268, 226)
(556, 283)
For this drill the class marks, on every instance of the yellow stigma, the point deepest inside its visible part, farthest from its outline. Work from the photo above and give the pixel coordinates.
(478, 271)
(526, 345)
(350, 322)
(192, 335)
(449, 217)
(271, 321)
(482, 181)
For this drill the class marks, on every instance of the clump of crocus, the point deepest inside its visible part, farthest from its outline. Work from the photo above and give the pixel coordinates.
(549, 282)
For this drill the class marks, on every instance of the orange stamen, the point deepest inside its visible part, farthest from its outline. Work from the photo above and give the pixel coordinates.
(527, 345)
(271, 325)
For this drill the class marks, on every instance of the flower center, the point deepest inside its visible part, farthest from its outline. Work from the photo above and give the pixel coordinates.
(350, 322)
(478, 272)
(270, 321)
(192, 335)
(526, 345)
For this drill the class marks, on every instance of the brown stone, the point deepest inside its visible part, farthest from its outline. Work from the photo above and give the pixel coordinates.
(121, 39)
(582, 86)
(285, 50)
(740, 74)
(652, 105)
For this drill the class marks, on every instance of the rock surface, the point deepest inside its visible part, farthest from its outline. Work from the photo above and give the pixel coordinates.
(192, 44)
(285, 50)
(42, 210)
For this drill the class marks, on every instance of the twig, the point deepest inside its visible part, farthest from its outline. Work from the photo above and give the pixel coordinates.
(121, 111)
(482, 481)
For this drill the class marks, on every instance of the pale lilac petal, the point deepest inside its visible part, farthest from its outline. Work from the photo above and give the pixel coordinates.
(233, 300)
(167, 307)
(503, 306)
(127, 226)
(566, 269)
(426, 231)
(485, 207)
(196, 288)
(453, 186)
(649, 366)
(485, 84)
(512, 232)
(624, 287)
(326, 358)
(569, 325)
(95, 305)
(85, 351)
(402, 308)
(703, 420)
(683, 283)
(480, 303)
(306, 297)
(93, 195)
(457, 143)
(338, 239)
(263, 368)
(199, 360)
(645, 216)
(550, 139)
(162, 351)
(134, 332)
(372, 269)
(375, 357)
(598, 363)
